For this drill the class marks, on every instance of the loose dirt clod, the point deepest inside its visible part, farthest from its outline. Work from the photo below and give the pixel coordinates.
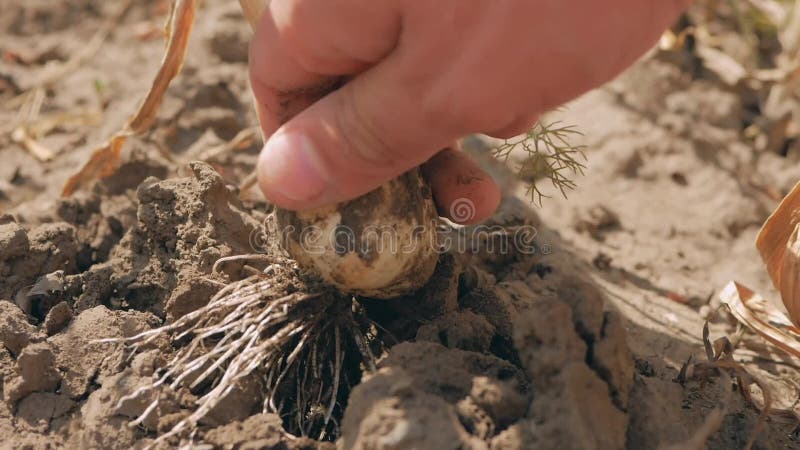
(36, 372)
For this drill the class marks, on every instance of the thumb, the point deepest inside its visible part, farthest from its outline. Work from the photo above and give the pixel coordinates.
(348, 143)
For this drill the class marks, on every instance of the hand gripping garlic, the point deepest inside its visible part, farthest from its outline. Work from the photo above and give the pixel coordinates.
(381, 245)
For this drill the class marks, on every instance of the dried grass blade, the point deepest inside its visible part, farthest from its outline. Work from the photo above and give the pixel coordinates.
(21, 136)
(180, 28)
(105, 160)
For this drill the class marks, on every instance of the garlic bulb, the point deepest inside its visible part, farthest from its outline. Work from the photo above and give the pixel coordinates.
(382, 244)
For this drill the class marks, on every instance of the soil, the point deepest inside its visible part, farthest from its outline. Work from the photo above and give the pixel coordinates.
(576, 345)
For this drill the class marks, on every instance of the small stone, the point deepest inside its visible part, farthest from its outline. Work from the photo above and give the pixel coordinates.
(58, 318)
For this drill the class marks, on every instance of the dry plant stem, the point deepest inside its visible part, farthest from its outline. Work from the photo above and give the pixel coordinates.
(755, 313)
(105, 160)
(33, 126)
(21, 136)
(242, 140)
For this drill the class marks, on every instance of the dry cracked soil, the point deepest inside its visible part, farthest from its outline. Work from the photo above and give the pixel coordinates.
(574, 345)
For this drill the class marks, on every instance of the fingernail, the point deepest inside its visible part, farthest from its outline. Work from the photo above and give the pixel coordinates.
(287, 168)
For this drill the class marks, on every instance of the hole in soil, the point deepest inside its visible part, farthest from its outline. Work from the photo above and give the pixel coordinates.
(788, 144)
(443, 337)
(542, 270)
(506, 374)
(503, 348)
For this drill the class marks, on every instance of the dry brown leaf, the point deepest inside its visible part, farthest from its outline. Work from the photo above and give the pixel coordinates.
(754, 312)
(105, 160)
(790, 275)
(778, 245)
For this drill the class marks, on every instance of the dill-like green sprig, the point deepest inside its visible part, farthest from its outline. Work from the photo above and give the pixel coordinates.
(549, 155)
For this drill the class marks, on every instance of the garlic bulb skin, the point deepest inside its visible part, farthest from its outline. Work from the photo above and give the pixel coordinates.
(380, 245)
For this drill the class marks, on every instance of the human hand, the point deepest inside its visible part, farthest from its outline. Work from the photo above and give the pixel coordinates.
(421, 75)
